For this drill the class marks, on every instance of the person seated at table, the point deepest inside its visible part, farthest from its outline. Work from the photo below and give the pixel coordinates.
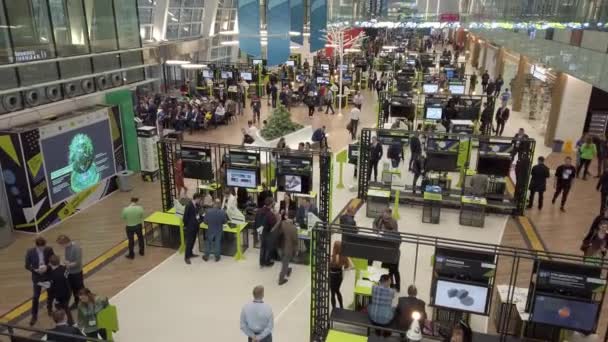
(380, 310)
(406, 307)
(337, 264)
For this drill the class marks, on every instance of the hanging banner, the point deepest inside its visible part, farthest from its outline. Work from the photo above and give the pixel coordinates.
(318, 24)
(297, 20)
(249, 27)
(278, 23)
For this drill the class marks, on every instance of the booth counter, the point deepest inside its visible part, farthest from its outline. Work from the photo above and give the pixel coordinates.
(340, 336)
(234, 239)
(164, 230)
(377, 201)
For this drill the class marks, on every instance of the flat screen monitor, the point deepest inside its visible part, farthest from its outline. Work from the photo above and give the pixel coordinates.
(290, 63)
(241, 178)
(226, 74)
(197, 169)
(461, 296)
(457, 89)
(441, 161)
(564, 312)
(294, 183)
(322, 80)
(324, 66)
(300, 78)
(344, 67)
(207, 74)
(430, 88)
(433, 113)
(257, 61)
(347, 78)
(411, 62)
(247, 76)
(77, 156)
(494, 165)
(449, 72)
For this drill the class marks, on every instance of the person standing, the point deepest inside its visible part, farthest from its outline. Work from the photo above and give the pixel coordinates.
(505, 97)
(266, 219)
(37, 262)
(310, 102)
(133, 215)
(387, 225)
(60, 287)
(472, 83)
(375, 156)
(358, 100)
(538, 182)
(256, 106)
(347, 219)
(191, 226)
(178, 174)
(337, 264)
(415, 149)
(602, 187)
(73, 263)
(498, 83)
(395, 153)
(329, 101)
(486, 119)
(88, 308)
(62, 327)
(215, 218)
(587, 153)
(502, 116)
(418, 170)
(274, 94)
(564, 176)
(289, 238)
(485, 78)
(355, 113)
(257, 320)
(490, 88)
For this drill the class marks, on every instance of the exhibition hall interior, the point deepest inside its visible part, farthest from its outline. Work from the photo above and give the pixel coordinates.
(303, 170)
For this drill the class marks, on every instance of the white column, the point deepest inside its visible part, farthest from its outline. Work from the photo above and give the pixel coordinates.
(573, 109)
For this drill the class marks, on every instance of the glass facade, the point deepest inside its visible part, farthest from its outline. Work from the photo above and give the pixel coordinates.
(184, 19)
(147, 9)
(225, 20)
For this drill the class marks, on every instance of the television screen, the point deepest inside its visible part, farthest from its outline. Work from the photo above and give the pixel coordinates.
(322, 80)
(461, 296)
(433, 113)
(300, 78)
(293, 183)
(441, 161)
(207, 74)
(411, 61)
(290, 63)
(449, 72)
(241, 178)
(494, 165)
(247, 76)
(456, 89)
(430, 88)
(564, 312)
(226, 74)
(196, 169)
(324, 66)
(257, 61)
(77, 154)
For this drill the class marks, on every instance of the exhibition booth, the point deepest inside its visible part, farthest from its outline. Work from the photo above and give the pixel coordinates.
(461, 281)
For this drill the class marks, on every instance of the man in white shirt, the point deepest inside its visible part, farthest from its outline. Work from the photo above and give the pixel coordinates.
(257, 320)
(358, 99)
(355, 113)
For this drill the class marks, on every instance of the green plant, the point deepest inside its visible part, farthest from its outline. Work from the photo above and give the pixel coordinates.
(278, 124)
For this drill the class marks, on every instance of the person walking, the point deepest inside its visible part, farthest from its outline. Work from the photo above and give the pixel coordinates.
(387, 225)
(472, 83)
(602, 187)
(538, 182)
(289, 248)
(329, 101)
(88, 308)
(587, 153)
(60, 287)
(418, 170)
(505, 97)
(358, 100)
(337, 264)
(395, 153)
(256, 106)
(178, 175)
(191, 226)
(265, 220)
(490, 89)
(215, 218)
(274, 94)
(502, 116)
(257, 320)
(73, 263)
(498, 83)
(415, 149)
(37, 262)
(485, 78)
(564, 176)
(310, 102)
(133, 215)
(355, 113)
(375, 156)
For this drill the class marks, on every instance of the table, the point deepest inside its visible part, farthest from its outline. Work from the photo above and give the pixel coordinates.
(431, 207)
(514, 309)
(363, 286)
(164, 230)
(340, 336)
(234, 240)
(473, 211)
(461, 126)
(303, 256)
(378, 200)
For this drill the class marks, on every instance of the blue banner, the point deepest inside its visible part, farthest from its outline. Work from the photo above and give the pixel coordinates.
(278, 24)
(318, 24)
(249, 27)
(297, 20)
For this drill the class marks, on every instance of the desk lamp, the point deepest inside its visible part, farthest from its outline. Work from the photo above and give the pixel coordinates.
(414, 333)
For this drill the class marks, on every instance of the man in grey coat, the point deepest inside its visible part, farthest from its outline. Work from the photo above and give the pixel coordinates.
(215, 218)
(73, 264)
(289, 235)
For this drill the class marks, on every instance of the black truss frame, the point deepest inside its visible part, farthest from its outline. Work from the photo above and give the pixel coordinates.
(522, 169)
(322, 236)
(169, 148)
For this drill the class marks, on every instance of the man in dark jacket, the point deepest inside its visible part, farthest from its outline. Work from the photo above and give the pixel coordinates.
(266, 219)
(289, 238)
(191, 226)
(60, 286)
(498, 85)
(502, 115)
(395, 153)
(215, 218)
(37, 262)
(406, 307)
(490, 89)
(602, 187)
(375, 156)
(485, 77)
(486, 119)
(63, 327)
(415, 149)
(538, 182)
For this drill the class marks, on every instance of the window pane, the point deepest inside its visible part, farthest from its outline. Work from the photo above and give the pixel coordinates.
(69, 27)
(75, 67)
(30, 29)
(148, 3)
(126, 22)
(147, 33)
(6, 54)
(173, 15)
(188, 3)
(135, 75)
(172, 31)
(196, 29)
(197, 15)
(9, 79)
(184, 31)
(186, 16)
(38, 73)
(106, 63)
(131, 59)
(145, 16)
(100, 19)
(175, 3)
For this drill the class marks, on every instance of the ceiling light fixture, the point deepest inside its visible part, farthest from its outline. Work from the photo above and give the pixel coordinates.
(176, 62)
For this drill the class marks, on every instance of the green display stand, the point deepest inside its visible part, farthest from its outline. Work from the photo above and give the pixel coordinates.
(396, 207)
(124, 100)
(341, 158)
(108, 319)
